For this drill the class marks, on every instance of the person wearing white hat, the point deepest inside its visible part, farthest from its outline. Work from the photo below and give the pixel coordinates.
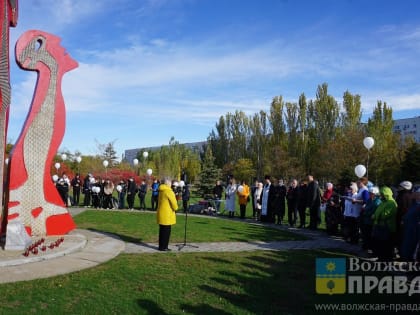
(411, 230)
(404, 200)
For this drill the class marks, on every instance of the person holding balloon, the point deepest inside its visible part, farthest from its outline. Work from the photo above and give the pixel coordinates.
(351, 215)
(362, 194)
(243, 198)
(108, 190)
(122, 190)
(96, 193)
(131, 192)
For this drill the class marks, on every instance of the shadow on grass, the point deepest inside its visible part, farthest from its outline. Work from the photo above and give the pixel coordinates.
(217, 260)
(282, 283)
(203, 309)
(117, 236)
(201, 222)
(269, 284)
(150, 307)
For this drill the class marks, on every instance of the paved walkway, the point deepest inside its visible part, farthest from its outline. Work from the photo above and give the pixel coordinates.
(83, 249)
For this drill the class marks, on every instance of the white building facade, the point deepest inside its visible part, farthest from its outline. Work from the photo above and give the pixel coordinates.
(408, 127)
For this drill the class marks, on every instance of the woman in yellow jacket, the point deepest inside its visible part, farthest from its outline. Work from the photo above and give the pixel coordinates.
(243, 194)
(167, 205)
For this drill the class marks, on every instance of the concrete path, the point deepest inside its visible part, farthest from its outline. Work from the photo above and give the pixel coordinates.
(83, 249)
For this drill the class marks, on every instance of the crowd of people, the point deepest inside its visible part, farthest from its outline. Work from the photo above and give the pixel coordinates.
(385, 222)
(99, 193)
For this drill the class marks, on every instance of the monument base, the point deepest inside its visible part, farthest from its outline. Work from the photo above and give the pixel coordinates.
(16, 237)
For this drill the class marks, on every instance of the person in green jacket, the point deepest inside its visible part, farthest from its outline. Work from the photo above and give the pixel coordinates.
(384, 226)
(167, 205)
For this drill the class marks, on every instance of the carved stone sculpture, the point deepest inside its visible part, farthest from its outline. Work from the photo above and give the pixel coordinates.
(33, 198)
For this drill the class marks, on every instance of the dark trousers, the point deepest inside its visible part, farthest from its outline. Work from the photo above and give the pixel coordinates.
(383, 249)
(351, 229)
(291, 213)
(107, 204)
(164, 235)
(86, 202)
(242, 209)
(130, 200)
(121, 201)
(302, 215)
(76, 196)
(154, 202)
(142, 202)
(366, 230)
(313, 217)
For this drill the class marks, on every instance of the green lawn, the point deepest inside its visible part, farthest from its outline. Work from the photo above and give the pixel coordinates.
(185, 283)
(137, 226)
(259, 282)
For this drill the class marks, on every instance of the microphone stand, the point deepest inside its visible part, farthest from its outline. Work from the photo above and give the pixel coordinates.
(181, 246)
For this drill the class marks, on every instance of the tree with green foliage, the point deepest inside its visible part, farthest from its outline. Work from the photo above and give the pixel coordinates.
(244, 170)
(352, 111)
(239, 132)
(384, 166)
(315, 136)
(107, 152)
(258, 142)
(410, 167)
(219, 142)
(209, 174)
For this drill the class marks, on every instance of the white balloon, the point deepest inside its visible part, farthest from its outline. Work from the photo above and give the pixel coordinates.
(181, 183)
(78, 159)
(64, 156)
(360, 170)
(57, 165)
(149, 171)
(175, 184)
(55, 178)
(119, 188)
(136, 162)
(145, 154)
(241, 189)
(105, 163)
(92, 180)
(6, 161)
(368, 142)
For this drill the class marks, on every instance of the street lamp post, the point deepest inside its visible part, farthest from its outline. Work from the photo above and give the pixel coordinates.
(78, 160)
(63, 158)
(57, 166)
(145, 155)
(136, 163)
(105, 164)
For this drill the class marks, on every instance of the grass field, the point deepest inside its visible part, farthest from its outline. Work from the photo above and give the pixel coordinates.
(139, 226)
(260, 282)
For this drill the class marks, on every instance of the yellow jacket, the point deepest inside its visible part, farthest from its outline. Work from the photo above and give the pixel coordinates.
(167, 205)
(243, 197)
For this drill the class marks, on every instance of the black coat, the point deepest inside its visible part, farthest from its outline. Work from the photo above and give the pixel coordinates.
(313, 195)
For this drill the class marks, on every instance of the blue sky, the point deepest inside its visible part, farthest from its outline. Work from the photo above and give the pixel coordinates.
(153, 69)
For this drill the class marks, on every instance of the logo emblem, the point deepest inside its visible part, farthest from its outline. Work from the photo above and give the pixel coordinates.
(330, 275)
